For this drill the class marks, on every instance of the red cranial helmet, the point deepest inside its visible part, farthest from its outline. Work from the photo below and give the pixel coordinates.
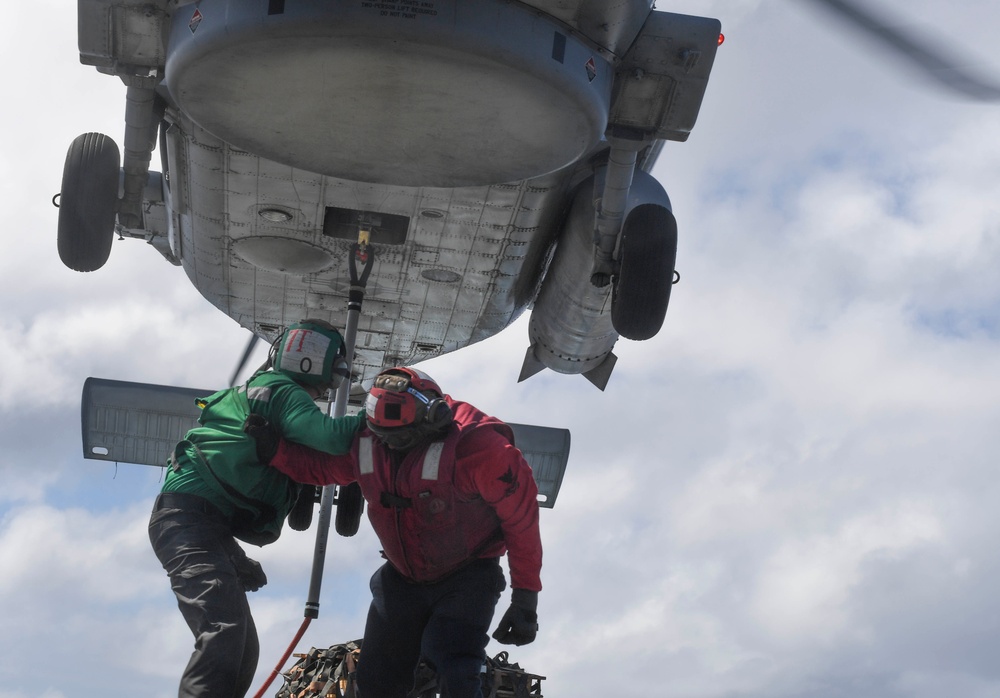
(405, 407)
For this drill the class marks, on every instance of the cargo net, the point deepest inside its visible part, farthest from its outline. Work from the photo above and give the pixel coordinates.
(330, 673)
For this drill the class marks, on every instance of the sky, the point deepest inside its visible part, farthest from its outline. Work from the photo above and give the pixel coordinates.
(790, 491)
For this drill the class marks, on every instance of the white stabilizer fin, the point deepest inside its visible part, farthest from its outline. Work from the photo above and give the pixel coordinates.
(136, 422)
(531, 364)
(599, 376)
(141, 423)
(547, 451)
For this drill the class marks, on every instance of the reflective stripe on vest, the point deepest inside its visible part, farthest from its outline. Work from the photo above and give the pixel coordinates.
(432, 461)
(366, 462)
(261, 393)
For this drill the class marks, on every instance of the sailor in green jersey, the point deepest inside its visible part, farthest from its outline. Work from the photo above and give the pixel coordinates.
(217, 490)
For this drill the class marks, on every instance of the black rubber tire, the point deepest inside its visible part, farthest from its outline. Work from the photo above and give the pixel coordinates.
(88, 202)
(301, 516)
(641, 291)
(350, 507)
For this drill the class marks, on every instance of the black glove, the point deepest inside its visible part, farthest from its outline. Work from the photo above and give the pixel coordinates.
(520, 623)
(265, 436)
(249, 572)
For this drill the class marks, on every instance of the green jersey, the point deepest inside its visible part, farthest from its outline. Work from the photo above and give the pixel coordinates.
(217, 461)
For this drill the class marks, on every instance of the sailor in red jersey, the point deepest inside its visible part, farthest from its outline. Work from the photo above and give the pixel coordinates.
(448, 494)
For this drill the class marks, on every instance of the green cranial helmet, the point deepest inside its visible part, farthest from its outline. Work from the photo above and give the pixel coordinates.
(311, 352)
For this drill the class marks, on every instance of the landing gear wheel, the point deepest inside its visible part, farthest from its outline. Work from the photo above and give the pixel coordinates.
(88, 202)
(350, 506)
(647, 255)
(301, 516)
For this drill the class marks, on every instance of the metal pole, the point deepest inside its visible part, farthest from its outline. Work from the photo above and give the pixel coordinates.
(359, 252)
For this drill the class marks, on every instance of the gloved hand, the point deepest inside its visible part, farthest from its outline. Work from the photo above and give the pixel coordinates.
(264, 435)
(249, 572)
(520, 623)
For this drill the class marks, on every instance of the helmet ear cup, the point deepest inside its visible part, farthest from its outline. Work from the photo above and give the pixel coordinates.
(438, 413)
(339, 372)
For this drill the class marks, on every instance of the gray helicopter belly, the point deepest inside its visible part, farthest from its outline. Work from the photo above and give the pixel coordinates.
(461, 266)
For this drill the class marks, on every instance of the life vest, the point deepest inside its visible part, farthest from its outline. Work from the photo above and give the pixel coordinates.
(256, 497)
(428, 528)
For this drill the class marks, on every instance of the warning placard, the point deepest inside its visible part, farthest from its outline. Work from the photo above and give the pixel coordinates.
(404, 9)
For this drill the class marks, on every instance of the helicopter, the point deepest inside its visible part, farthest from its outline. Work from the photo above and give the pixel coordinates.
(490, 156)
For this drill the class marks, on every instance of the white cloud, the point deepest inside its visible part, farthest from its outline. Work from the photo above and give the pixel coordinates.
(61, 552)
(802, 589)
(920, 684)
(787, 492)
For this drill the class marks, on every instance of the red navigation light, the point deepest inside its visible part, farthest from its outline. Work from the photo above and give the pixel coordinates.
(722, 37)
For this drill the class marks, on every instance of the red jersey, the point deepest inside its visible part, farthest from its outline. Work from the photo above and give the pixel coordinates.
(435, 507)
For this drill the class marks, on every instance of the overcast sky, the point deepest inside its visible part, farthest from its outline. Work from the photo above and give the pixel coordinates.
(791, 491)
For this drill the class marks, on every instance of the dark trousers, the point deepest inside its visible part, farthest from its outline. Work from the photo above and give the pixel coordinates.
(197, 550)
(445, 623)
